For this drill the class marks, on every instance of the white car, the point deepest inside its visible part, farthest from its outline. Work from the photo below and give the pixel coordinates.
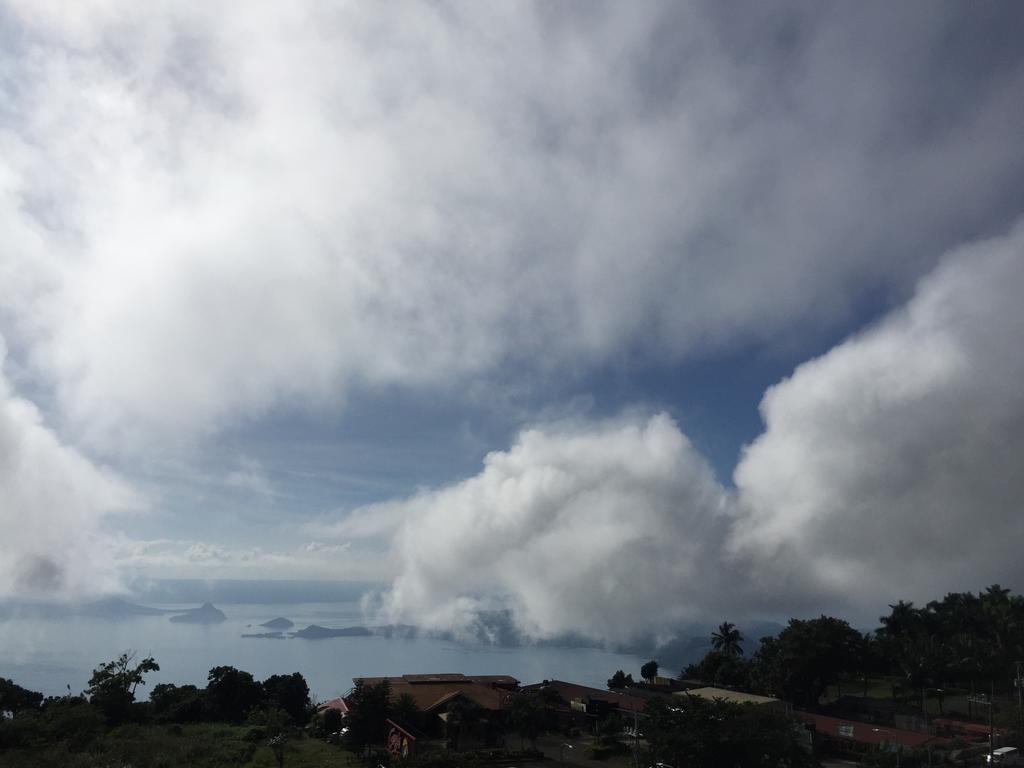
(1005, 756)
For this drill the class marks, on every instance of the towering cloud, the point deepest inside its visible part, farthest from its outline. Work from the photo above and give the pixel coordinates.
(890, 467)
(576, 528)
(52, 502)
(894, 465)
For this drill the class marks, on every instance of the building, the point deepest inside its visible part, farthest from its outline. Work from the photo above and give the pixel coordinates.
(852, 737)
(432, 692)
(581, 706)
(738, 697)
(339, 704)
(463, 710)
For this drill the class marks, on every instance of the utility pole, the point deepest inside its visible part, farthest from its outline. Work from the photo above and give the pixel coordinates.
(1019, 683)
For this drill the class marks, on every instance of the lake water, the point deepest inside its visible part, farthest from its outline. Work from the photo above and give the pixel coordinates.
(48, 654)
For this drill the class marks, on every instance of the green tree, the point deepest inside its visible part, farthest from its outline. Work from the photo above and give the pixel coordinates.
(291, 694)
(112, 685)
(331, 720)
(720, 668)
(649, 671)
(727, 639)
(15, 699)
(231, 694)
(370, 709)
(699, 733)
(528, 717)
(806, 658)
(619, 680)
(464, 719)
(406, 709)
(178, 703)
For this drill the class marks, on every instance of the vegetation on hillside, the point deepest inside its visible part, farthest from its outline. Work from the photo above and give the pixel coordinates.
(964, 641)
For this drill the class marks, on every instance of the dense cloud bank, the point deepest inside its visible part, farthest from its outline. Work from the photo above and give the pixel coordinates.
(889, 468)
(210, 216)
(209, 213)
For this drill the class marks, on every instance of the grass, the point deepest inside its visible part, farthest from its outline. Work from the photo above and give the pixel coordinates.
(955, 701)
(195, 746)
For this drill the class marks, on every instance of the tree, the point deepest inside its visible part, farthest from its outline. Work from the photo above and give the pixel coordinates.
(464, 718)
(278, 744)
(332, 720)
(178, 703)
(406, 709)
(727, 639)
(291, 694)
(720, 668)
(806, 657)
(708, 734)
(649, 671)
(528, 717)
(112, 685)
(15, 699)
(619, 680)
(370, 709)
(231, 694)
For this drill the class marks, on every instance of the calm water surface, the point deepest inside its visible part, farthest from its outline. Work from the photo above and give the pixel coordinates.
(48, 654)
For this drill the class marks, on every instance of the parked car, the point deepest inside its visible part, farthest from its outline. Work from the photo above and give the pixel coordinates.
(1005, 756)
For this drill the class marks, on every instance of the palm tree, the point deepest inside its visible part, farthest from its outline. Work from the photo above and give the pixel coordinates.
(727, 639)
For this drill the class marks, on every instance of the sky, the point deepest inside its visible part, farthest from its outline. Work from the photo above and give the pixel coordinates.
(611, 316)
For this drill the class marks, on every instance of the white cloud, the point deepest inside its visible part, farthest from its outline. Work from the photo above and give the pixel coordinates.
(169, 558)
(214, 213)
(209, 214)
(371, 521)
(595, 528)
(250, 476)
(331, 549)
(52, 505)
(891, 467)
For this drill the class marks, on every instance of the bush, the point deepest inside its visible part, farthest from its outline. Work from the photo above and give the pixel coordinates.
(74, 721)
(331, 720)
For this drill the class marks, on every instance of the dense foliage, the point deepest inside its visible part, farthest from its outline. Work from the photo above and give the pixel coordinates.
(968, 641)
(698, 733)
(649, 671)
(112, 686)
(371, 706)
(69, 724)
(619, 680)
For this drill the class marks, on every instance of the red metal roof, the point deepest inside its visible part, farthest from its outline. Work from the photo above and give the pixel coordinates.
(430, 691)
(339, 704)
(867, 733)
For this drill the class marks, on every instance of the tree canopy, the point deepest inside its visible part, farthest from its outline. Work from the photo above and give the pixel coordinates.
(699, 733)
(649, 671)
(231, 694)
(112, 685)
(727, 639)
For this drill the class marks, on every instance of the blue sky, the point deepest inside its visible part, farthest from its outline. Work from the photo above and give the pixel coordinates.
(679, 307)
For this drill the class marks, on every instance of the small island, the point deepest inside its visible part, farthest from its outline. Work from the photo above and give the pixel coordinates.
(204, 614)
(279, 623)
(316, 632)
